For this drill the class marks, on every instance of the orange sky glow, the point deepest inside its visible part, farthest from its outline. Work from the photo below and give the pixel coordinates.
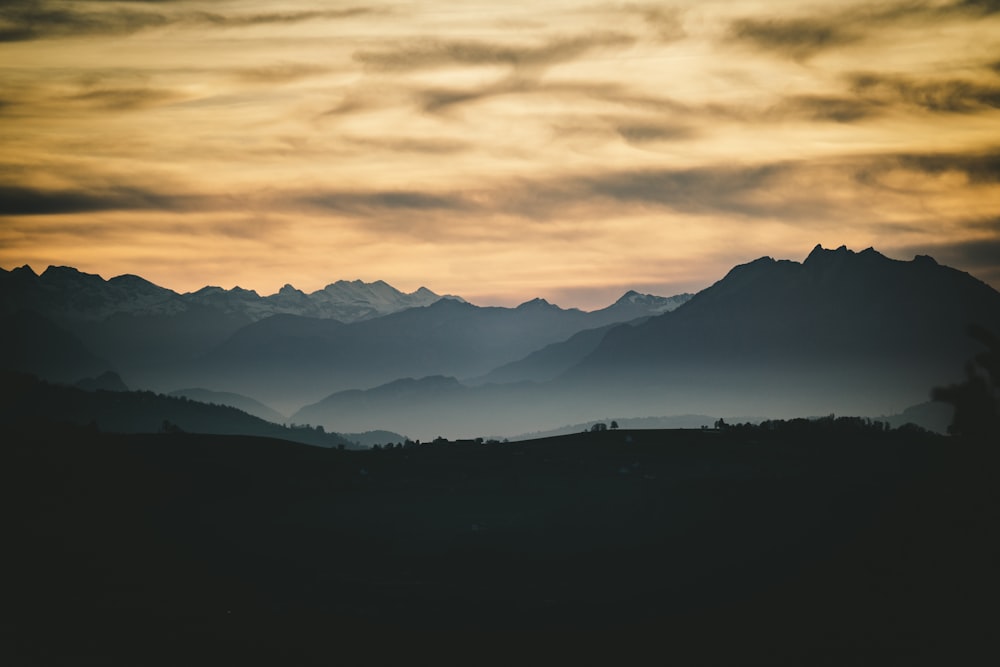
(499, 151)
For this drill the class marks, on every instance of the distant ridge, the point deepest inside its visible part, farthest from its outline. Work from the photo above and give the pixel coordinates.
(68, 294)
(313, 357)
(286, 349)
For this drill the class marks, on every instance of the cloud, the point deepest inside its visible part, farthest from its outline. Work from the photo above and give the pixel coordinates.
(979, 256)
(794, 191)
(975, 7)
(795, 38)
(800, 193)
(703, 190)
(871, 94)
(270, 18)
(28, 200)
(430, 53)
(434, 100)
(949, 96)
(978, 168)
(47, 19)
(665, 22)
(124, 99)
(637, 132)
(278, 73)
(709, 190)
(802, 37)
(367, 202)
(437, 99)
(410, 144)
(731, 190)
(824, 108)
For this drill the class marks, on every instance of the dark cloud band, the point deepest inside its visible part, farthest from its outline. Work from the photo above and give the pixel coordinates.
(44, 19)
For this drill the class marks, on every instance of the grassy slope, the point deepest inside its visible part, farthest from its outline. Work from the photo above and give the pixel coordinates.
(137, 549)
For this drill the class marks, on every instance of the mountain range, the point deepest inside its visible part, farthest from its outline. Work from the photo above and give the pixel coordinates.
(286, 349)
(63, 293)
(842, 331)
(845, 332)
(287, 358)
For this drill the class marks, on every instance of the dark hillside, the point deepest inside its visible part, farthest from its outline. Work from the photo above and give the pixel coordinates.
(26, 398)
(855, 332)
(31, 343)
(820, 543)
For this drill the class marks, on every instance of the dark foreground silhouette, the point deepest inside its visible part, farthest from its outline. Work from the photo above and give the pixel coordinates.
(834, 543)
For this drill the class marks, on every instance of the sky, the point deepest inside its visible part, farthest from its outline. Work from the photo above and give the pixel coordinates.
(500, 151)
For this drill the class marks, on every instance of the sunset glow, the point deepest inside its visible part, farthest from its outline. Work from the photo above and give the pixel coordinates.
(500, 151)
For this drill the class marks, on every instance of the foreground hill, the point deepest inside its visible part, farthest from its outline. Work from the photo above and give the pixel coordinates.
(845, 545)
(26, 399)
(238, 401)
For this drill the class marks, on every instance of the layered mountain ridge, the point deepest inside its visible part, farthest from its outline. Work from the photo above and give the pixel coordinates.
(286, 349)
(842, 331)
(64, 293)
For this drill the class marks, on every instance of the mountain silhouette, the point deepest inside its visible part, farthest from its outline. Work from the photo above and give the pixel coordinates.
(288, 348)
(286, 358)
(347, 301)
(552, 360)
(67, 294)
(842, 331)
(153, 335)
(845, 332)
(633, 305)
(842, 328)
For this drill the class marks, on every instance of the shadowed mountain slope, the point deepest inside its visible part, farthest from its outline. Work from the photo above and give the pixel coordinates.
(286, 357)
(154, 335)
(32, 343)
(245, 403)
(843, 332)
(552, 360)
(848, 329)
(290, 347)
(25, 399)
